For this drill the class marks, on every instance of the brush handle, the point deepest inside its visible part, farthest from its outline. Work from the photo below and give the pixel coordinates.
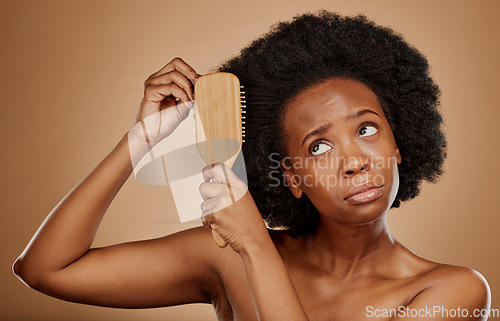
(218, 239)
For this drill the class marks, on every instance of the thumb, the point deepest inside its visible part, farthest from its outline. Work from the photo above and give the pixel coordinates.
(182, 110)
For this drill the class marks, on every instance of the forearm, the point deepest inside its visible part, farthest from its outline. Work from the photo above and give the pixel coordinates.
(69, 230)
(272, 289)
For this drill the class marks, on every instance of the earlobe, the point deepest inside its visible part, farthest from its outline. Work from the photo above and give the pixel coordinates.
(292, 181)
(295, 189)
(398, 156)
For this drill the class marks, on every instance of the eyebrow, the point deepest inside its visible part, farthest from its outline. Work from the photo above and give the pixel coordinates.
(325, 127)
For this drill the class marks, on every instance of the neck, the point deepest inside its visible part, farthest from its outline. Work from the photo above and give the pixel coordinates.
(348, 249)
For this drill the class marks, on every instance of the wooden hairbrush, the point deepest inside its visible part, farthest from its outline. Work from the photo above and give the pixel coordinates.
(218, 121)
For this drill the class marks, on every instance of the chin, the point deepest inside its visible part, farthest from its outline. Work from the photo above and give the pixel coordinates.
(366, 213)
(346, 212)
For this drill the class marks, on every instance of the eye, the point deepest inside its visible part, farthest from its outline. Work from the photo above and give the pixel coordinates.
(368, 130)
(318, 148)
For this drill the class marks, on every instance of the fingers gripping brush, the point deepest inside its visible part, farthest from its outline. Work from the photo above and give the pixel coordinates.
(218, 122)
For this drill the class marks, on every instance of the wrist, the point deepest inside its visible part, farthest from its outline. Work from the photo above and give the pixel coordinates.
(139, 142)
(262, 246)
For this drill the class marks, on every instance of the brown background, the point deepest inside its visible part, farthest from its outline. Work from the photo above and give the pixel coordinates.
(71, 80)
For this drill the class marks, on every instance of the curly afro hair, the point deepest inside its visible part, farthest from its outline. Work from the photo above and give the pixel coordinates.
(308, 50)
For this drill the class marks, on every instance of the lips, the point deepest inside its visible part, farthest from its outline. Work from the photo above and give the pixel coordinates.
(364, 192)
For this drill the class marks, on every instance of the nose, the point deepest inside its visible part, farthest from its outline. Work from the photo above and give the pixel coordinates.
(354, 161)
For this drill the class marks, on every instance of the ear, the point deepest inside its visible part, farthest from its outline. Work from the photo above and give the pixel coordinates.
(292, 180)
(398, 155)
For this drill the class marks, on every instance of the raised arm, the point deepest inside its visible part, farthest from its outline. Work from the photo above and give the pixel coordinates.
(240, 224)
(174, 269)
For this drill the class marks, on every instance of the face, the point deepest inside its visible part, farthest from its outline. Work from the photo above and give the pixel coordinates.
(341, 151)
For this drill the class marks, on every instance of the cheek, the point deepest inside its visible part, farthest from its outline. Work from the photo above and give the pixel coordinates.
(319, 178)
(382, 146)
(394, 183)
(382, 152)
(385, 171)
(383, 165)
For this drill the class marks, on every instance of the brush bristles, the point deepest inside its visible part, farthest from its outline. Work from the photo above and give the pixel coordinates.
(243, 106)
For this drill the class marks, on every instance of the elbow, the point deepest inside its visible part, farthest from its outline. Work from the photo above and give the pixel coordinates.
(17, 268)
(25, 274)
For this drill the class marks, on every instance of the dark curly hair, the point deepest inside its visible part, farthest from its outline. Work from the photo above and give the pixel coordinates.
(308, 50)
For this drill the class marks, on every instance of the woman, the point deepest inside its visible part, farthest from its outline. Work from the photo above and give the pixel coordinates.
(342, 125)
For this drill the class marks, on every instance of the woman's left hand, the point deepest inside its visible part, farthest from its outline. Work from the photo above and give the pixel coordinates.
(230, 210)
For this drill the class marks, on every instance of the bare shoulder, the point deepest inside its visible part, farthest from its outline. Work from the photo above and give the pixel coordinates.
(459, 278)
(447, 286)
(434, 277)
(438, 274)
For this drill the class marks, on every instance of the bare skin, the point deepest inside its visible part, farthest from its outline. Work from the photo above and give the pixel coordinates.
(350, 263)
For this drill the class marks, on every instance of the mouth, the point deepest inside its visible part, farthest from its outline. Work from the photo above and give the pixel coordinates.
(364, 194)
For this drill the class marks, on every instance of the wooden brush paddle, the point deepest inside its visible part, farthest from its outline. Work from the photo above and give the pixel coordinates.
(218, 119)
